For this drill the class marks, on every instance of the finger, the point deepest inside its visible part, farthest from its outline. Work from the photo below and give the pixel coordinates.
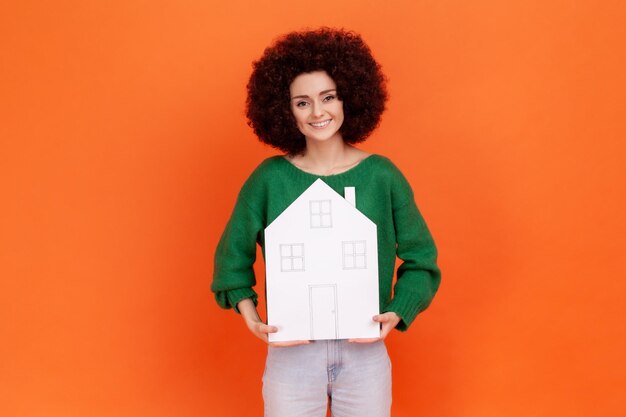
(264, 328)
(388, 327)
(290, 343)
(365, 340)
(382, 318)
(385, 331)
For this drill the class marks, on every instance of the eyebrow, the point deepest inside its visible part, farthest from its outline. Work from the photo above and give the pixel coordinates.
(321, 93)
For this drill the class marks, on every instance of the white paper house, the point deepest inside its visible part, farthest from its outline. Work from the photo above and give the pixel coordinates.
(321, 259)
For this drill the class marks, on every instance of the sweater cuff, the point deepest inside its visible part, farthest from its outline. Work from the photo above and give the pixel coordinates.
(407, 308)
(235, 296)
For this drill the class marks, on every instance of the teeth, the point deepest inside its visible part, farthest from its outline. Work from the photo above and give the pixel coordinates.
(320, 124)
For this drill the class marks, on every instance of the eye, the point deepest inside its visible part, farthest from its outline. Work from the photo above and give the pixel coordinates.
(302, 103)
(329, 97)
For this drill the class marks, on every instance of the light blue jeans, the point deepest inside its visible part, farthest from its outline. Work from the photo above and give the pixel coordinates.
(300, 380)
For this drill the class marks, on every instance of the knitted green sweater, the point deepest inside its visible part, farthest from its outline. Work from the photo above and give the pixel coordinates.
(382, 194)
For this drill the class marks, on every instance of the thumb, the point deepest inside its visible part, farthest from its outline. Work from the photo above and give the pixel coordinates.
(381, 318)
(264, 328)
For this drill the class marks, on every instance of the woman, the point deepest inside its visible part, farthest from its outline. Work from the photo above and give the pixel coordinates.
(313, 95)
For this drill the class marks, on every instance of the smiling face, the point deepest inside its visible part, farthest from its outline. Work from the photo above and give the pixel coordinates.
(315, 106)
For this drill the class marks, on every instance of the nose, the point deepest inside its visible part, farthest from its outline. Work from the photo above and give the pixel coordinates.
(318, 109)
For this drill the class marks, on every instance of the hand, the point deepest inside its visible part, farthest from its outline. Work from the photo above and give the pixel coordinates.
(290, 343)
(260, 329)
(388, 321)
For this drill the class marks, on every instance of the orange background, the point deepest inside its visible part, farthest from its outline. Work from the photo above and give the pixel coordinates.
(123, 144)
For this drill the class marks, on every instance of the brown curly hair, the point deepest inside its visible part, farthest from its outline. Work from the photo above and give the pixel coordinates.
(344, 56)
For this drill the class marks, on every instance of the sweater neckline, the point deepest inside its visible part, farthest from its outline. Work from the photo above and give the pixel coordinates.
(350, 170)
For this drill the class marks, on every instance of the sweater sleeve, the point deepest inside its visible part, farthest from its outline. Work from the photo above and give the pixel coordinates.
(418, 276)
(233, 275)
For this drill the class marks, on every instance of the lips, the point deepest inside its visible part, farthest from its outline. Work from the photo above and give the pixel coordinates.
(320, 125)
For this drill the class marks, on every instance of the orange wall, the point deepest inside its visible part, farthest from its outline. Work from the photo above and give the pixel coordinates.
(123, 144)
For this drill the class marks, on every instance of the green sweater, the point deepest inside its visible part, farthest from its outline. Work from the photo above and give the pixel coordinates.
(382, 194)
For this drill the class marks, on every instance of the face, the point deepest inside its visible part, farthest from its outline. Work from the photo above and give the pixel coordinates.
(315, 106)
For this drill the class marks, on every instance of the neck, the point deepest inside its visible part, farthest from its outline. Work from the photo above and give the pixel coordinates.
(325, 155)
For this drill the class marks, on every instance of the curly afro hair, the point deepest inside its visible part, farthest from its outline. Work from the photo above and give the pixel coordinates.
(344, 56)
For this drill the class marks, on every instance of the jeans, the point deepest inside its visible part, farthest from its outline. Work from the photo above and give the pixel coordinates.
(300, 380)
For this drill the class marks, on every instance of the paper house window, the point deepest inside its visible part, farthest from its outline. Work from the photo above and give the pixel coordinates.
(354, 254)
(320, 213)
(292, 257)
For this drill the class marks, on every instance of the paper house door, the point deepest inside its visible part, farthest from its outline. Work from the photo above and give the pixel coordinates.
(323, 305)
